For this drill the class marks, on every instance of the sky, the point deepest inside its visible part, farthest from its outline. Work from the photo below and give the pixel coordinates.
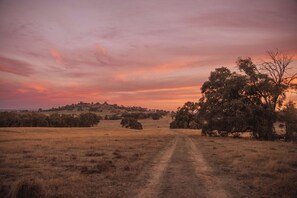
(154, 54)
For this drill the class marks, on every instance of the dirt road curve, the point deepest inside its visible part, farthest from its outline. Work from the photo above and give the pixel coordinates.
(181, 171)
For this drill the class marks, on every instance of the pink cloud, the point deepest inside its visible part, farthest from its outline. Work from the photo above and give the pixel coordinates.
(148, 53)
(57, 56)
(101, 54)
(15, 66)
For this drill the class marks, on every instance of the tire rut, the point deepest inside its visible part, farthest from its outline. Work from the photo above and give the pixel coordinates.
(212, 185)
(157, 171)
(181, 171)
(180, 179)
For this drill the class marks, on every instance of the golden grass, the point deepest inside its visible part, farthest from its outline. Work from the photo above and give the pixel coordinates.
(252, 168)
(106, 161)
(27, 188)
(101, 161)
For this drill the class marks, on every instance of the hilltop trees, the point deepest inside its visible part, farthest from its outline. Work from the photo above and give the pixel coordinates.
(234, 102)
(100, 107)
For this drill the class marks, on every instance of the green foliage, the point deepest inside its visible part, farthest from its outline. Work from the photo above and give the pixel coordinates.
(264, 93)
(55, 120)
(131, 123)
(9, 119)
(233, 102)
(155, 116)
(290, 117)
(101, 107)
(112, 117)
(222, 106)
(186, 117)
(135, 115)
(88, 119)
(12, 119)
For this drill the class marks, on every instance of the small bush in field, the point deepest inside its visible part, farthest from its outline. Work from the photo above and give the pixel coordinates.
(131, 123)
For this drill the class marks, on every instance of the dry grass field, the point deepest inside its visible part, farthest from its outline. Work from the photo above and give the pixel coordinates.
(252, 168)
(78, 162)
(110, 161)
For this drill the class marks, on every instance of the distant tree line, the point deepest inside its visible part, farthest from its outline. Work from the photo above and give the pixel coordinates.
(33, 119)
(112, 117)
(234, 102)
(154, 116)
(99, 107)
(137, 116)
(130, 120)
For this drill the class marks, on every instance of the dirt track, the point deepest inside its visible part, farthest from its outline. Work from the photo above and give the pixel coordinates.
(181, 171)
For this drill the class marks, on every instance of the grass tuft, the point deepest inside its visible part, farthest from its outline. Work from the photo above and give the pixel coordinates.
(28, 188)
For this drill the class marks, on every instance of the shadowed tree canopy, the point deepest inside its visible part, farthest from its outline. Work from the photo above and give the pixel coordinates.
(33, 119)
(186, 116)
(243, 101)
(266, 88)
(290, 118)
(223, 106)
(269, 82)
(131, 123)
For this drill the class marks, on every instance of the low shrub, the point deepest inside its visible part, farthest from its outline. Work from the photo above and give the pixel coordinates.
(131, 123)
(28, 188)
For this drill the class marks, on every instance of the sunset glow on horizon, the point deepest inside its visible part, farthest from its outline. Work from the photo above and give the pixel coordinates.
(154, 54)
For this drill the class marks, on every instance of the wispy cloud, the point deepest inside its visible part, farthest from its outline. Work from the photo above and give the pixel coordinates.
(149, 53)
(14, 66)
(102, 55)
(57, 56)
